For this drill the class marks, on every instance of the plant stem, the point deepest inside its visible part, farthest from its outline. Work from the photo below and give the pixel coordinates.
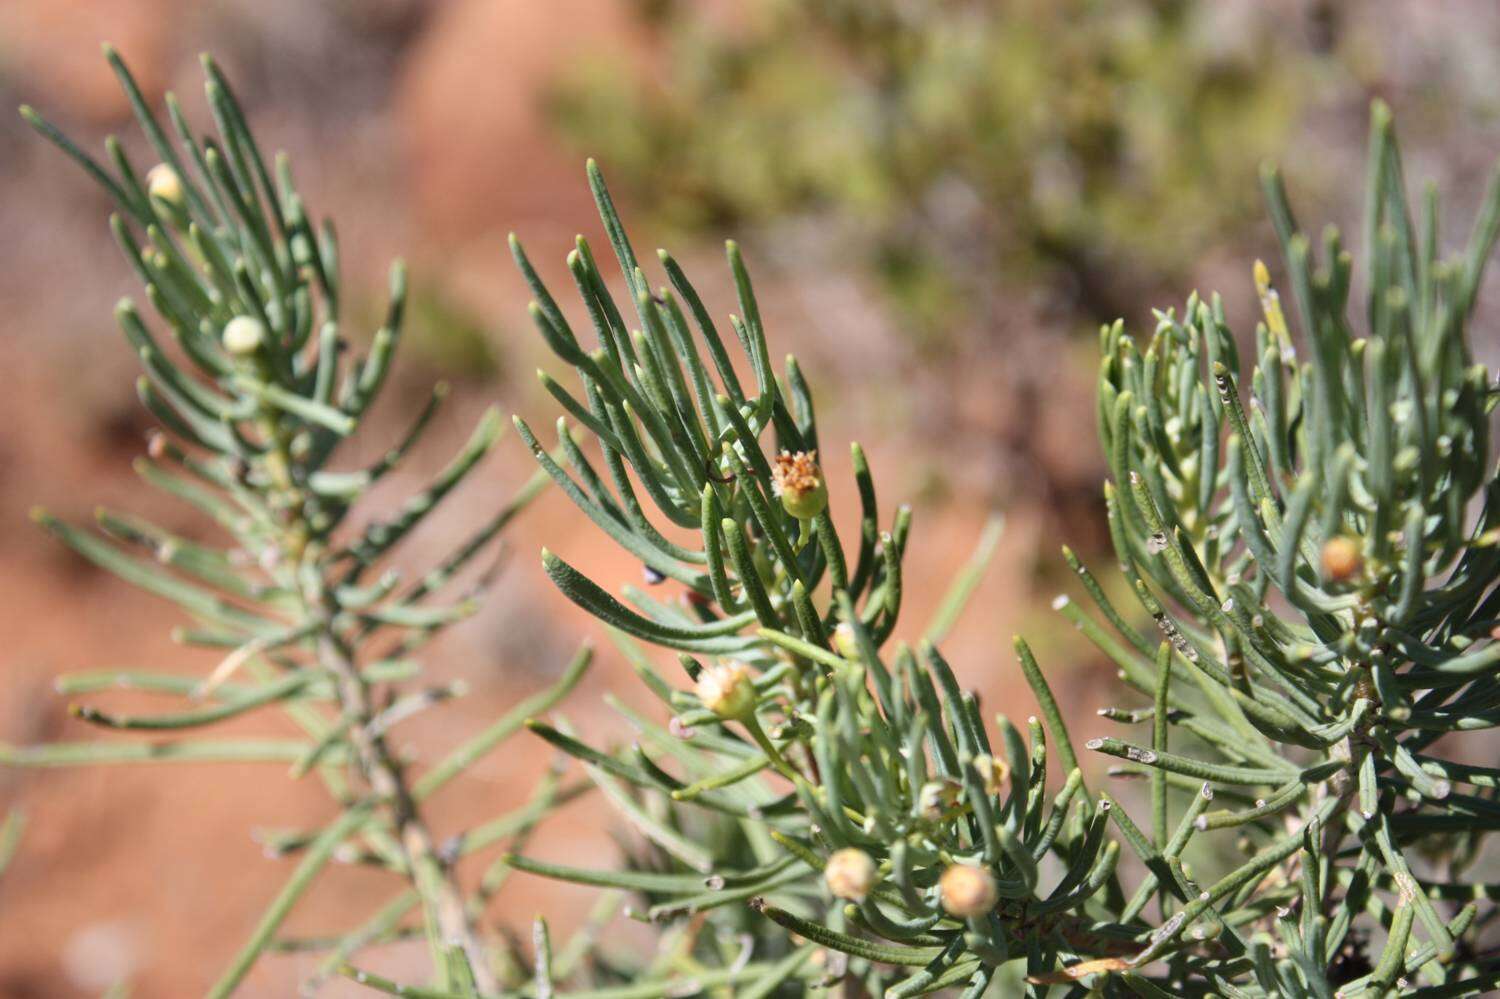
(443, 903)
(448, 923)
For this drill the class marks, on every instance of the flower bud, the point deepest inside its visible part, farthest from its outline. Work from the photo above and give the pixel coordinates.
(798, 480)
(844, 641)
(968, 891)
(163, 182)
(244, 335)
(1341, 559)
(850, 874)
(727, 690)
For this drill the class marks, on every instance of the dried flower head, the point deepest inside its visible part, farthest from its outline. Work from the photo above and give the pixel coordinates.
(727, 690)
(936, 797)
(850, 874)
(1342, 560)
(968, 891)
(244, 335)
(798, 480)
(994, 771)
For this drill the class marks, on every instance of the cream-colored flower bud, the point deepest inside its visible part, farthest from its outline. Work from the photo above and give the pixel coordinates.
(798, 480)
(844, 641)
(967, 891)
(1342, 560)
(163, 182)
(850, 874)
(244, 335)
(727, 690)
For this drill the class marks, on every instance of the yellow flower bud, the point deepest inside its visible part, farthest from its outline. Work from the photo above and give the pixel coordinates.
(163, 182)
(244, 335)
(798, 480)
(1342, 560)
(727, 690)
(967, 891)
(850, 874)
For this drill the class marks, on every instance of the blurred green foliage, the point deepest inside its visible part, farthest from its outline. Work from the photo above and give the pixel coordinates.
(452, 339)
(1092, 145)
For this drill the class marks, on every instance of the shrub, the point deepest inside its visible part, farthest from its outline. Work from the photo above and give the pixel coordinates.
(254, 403)
(798, 729)
(1322, 568)
(958, 154)
(824, 804)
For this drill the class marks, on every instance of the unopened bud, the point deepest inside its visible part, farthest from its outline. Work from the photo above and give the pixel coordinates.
(968, 891)
(845, 643)
(244, 335)
(163, 182)
(798, 480)
(727, 690)
(850, 874)
(1341, 559)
